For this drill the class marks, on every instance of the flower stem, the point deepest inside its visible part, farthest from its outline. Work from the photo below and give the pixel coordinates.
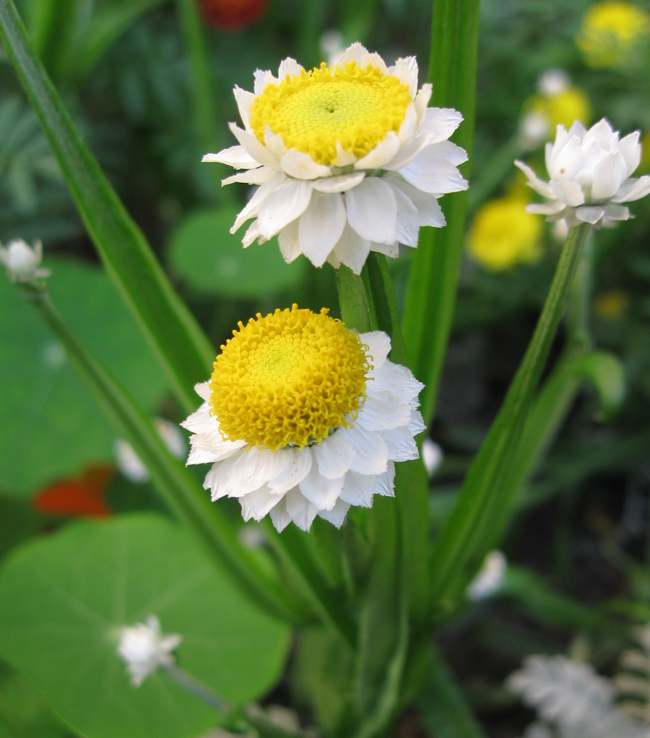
(485, 503)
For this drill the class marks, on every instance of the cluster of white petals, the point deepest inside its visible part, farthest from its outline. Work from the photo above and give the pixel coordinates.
(347, 468)
(144, 649)
(21, 261)
(339, 213)
(589, 173)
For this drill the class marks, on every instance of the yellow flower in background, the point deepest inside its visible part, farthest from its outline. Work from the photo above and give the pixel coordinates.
(612, 32)
(567, 106)
(503, 234)
(611, 305)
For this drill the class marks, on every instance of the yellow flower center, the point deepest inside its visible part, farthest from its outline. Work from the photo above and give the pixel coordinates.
(312, 112)
(288, 379)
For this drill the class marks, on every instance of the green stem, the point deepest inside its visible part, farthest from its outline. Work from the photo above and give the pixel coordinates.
(432, 287)
(483, 507)
(182, 348)
(172, 479)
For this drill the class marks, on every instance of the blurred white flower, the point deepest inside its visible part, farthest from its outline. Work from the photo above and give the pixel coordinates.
(533, 129)
(589, 174)
(552, 82)
(144, 648)
(21, 261)
(129, 463)
(349, 158)
(431, 455)
(490, 577)
(302, 418)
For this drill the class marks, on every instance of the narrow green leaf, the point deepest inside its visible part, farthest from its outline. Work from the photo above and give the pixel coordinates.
(484, 506)
(355, 300)
(431, 292)
(445, 712)
(171, 478)
(54, 26)
(177, 339)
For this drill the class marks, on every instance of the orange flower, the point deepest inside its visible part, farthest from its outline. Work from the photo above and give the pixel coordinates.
(81, 496)
(232, 15)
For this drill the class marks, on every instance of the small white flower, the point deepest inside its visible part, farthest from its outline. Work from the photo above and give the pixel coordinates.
(589, 174)
(349, 158)
(302, 418)
(130, 464)
(21, 261)
(490, 577)
(144, 648)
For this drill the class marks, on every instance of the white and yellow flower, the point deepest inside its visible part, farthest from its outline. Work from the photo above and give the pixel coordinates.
(303, 417)
(589, 173)
(349, 159)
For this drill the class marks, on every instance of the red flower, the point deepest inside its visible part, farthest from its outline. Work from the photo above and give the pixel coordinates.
(232, 15)
(81, 496)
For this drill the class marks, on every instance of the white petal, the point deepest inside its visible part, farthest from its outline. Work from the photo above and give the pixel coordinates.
(288, 66)
(406, 71)
(252, 207)
(252, 234)
(354, 52)
(569, 193)
(257, 504)
(351, 250)
(567, 161)
(235, 156)
(609, 174)
(289, 242)
(386, 482)
(203, 390)
(401, 444)
(429, 210)
(246, 472)
(370, 452)
(617, 212)
(321, 226)
(344, 158)
(253, 146)
(334, 455)
(391, 250)
(633, 189)
(298, 464)
(397, 380)
(374, 60)
(434, 169)
(378, 344)
(262, 78)
(416, 423)
(546, 208)
(543, 188)
(409, 126)
(288, 202)
(372, 210)
(408, 221)
(630, 149)
(337, 514)
(274, 143)
(244, 101)
(302, 511)
(301, 166)
(340, 183)
(590, 213)
(279, 515)
(381, 154)
(359, 489)
(258, 176)
(319, 490)
(381, 412)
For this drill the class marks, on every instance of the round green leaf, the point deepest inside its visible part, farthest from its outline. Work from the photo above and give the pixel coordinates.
(63, 601)
(50, 424)
(212, 260)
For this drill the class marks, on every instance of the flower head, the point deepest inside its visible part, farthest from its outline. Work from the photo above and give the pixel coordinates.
(302, 417)
(589, 174)
(21, 261)
(611, 33)
(349, 158)
(503, 234)
(144, 648)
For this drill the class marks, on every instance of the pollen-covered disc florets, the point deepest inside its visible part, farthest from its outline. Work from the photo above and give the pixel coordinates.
(289, 378)
(348, 157)
(302, 417)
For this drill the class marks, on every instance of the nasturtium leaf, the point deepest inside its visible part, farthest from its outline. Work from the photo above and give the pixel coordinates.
(64, 599)
(50, 424)
(212, 260)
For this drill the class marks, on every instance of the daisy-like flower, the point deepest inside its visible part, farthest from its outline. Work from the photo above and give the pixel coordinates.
(21, 261)
(144, 648)
(589, 174)
(349, 158)
(302, 418)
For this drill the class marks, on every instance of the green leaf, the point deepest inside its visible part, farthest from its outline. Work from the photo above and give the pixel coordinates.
(94, 578)
(50, 425)
(607, 375)
(181, 347)
(431, 292)
(205, 254)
